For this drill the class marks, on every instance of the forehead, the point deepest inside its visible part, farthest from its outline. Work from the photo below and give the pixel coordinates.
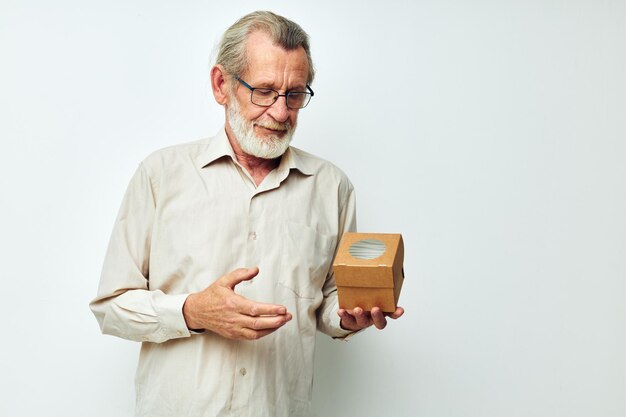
(273, 65)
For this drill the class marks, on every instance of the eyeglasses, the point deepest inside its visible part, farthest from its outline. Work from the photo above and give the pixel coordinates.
(265, 97)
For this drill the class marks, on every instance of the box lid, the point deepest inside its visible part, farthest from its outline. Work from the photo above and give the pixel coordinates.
(369, 260)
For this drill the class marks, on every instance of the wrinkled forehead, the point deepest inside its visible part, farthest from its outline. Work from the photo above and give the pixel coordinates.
(269, 62)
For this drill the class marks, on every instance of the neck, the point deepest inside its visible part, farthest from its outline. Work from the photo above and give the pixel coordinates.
(258, 168)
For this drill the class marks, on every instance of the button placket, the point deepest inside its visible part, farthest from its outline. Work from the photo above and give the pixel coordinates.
(251, 250)
(241, 386)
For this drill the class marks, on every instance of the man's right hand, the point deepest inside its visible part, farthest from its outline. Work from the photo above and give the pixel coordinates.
(217, 308)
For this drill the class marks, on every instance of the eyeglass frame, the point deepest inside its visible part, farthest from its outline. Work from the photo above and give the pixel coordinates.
(286, 95)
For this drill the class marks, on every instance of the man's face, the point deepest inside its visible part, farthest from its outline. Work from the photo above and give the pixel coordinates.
(265, 132)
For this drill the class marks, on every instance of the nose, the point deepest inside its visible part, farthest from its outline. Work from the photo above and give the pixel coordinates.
(279, 110)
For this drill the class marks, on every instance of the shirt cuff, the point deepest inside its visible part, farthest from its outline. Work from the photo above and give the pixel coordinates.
(169, 309)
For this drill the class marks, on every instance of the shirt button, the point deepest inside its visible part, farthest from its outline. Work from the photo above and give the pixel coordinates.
(252, 235)
(243, 371)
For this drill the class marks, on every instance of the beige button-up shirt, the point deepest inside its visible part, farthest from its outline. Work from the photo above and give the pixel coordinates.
(192, 214)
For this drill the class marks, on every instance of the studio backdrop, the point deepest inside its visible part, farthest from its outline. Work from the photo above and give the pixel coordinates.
(490, 134)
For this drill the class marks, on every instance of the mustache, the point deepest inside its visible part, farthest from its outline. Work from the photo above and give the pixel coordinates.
(273, 125)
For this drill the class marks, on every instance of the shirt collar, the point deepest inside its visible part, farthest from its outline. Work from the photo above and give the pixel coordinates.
(292, 160)
(219, 147)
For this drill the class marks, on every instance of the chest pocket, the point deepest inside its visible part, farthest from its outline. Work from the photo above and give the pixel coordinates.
(306, 259)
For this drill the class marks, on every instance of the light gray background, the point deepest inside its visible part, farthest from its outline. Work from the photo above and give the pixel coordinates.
(491, 134)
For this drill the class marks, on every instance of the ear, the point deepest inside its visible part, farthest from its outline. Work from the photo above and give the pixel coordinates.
(219, 84)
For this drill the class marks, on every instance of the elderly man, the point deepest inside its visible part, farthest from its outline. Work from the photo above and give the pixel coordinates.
(220, 258)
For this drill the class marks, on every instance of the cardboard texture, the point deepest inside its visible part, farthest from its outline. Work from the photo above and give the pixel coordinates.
(369, 271)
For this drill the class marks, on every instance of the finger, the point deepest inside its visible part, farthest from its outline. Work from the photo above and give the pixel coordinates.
(378, 318)
(251, 334)
(396, 314)
(267, 322)
(255, 309)
(347, 320)
(362, 318)
(233, 278)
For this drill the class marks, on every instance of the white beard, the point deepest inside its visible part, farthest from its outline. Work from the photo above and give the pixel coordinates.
(265, 148)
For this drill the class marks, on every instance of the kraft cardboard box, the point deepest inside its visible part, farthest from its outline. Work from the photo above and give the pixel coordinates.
(369, 270)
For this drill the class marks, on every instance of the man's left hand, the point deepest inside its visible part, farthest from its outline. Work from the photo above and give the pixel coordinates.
(358, 319)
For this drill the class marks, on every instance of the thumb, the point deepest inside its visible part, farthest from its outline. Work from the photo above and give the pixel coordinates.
(238, 275)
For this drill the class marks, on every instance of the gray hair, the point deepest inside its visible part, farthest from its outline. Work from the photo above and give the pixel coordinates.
(284, 33)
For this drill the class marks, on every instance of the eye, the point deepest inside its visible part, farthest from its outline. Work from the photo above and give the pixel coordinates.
(297, 97)
(264, 92)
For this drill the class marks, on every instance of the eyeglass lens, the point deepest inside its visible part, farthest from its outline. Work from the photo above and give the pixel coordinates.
(267, 97)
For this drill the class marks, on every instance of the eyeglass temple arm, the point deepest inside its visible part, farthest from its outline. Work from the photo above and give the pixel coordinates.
(248, 86)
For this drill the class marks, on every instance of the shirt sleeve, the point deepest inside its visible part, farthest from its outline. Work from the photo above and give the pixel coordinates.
(328, 321)
(125, 306)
